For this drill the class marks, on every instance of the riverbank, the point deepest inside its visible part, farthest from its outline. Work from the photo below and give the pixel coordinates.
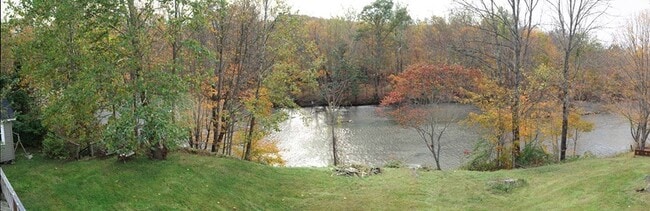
(191, 182)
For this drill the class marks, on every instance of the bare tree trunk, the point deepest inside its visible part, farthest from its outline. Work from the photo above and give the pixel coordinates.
(215, 141)
(249, 139)
(226, 139)
(334, 144)
(197, 129)
(376, 86)
(439, 140)
(230, 137)
(217, 118)
(175, 49)
(575, 142)
(191, 136)
(251, 128)
(217, 113)
(565, 106)
(516, 145)
(376, 63)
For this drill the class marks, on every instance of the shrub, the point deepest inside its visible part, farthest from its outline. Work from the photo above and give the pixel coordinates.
(55, 147)
(533, 155)
(481, 158)
(28, 118)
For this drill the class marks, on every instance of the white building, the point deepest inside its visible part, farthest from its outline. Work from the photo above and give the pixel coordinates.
(7, 117)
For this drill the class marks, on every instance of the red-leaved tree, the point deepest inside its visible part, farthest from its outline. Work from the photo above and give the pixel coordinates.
(417, 93)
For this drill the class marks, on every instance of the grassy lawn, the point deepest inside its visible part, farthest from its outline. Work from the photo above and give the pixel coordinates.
(191, 182)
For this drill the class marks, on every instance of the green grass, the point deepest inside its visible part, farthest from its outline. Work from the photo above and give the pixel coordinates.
(192, 182)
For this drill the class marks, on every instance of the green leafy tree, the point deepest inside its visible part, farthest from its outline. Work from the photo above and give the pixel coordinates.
(148, 91)
(61, 61)
(16, 87)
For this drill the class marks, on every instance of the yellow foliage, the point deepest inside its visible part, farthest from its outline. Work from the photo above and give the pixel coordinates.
(262, 151)
(267, 152)
(540, 113)
(260, 107)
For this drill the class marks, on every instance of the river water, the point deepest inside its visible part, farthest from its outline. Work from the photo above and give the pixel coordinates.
(365, 137)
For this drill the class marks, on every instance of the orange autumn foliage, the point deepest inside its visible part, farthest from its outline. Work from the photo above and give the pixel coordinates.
(426, 83)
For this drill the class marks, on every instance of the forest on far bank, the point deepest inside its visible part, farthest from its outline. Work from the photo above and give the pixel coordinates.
(93, 77)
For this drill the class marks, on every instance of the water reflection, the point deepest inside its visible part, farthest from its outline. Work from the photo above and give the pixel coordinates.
(368, 138)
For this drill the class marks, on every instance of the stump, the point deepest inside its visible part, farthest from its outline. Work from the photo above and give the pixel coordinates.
(159, 152)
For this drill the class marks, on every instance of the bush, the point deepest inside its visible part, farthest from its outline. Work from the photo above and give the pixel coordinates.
(30, 129)
(59, 148)
(54, 147)
(481, 159)
(481, 164)
(28, 118)
(533, 155)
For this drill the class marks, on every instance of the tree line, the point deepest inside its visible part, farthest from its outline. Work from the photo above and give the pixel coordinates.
(98, 76)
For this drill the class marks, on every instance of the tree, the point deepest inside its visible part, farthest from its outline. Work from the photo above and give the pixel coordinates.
(16, 87)
(635, 75)
(196, 64)
(381, 23)
(97, 77)
(335, 80)
(416, 93)
(221, 23)
(331, 56)
(574, 20)
(252, 48)
(143, 89)
(507, 29)
(64, 61)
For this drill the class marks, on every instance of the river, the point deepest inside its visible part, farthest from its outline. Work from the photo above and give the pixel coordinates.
(368, 138)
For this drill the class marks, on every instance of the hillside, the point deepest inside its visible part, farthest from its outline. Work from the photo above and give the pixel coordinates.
(194, 182)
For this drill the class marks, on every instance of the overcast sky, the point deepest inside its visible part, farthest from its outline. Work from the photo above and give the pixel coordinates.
(618, 13)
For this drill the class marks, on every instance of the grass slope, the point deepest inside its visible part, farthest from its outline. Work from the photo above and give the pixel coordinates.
(191, 182)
